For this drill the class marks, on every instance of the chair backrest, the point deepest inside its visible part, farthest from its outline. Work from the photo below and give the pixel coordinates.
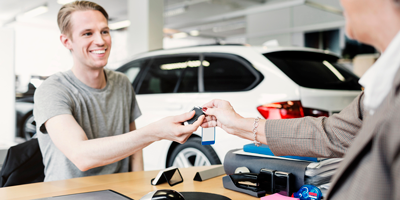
(23, 164)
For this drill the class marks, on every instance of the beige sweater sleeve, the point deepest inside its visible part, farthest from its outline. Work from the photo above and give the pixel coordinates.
(327, 137)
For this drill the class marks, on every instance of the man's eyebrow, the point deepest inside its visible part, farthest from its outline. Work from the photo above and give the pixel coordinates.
(88, 29)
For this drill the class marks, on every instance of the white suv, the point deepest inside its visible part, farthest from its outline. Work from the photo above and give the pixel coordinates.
(269, 82)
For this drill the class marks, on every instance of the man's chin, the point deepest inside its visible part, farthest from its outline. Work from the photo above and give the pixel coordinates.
(99, 65)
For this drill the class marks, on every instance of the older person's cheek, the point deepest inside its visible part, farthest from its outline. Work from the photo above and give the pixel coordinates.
(348, 27)
(349, 32)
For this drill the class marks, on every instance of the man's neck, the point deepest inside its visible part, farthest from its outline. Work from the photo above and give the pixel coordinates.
(92, 78)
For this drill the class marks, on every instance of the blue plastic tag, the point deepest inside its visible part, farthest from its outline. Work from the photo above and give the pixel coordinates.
(208, 136)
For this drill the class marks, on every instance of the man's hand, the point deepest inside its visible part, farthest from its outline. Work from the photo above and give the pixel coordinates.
(171, 128)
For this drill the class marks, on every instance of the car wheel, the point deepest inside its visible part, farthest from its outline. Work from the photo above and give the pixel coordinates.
(29, 127)
(192, 153)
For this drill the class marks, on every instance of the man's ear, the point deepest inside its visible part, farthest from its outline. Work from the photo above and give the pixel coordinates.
(66, 41)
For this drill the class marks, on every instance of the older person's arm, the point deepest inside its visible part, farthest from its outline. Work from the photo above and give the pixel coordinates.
(308, 136)
(328, 137)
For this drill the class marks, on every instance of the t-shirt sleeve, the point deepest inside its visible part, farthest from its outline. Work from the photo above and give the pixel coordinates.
(135, 110)
(50, 101)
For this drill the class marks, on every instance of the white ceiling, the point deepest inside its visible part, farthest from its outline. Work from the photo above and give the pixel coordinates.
(214, 18)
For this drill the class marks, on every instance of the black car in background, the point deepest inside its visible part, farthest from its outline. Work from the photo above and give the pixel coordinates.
(25, 123)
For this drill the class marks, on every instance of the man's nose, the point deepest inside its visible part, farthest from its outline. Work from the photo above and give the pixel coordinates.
(99, 39)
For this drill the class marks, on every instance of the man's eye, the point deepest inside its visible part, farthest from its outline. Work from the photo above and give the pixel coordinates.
(87, 34)
(105, 32)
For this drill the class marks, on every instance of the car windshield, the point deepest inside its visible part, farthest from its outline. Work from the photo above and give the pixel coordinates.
(314, 70)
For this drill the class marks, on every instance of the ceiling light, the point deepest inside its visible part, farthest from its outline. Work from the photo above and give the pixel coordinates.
(62, 2)
(179, 35)
(119, 25)
(324, 7)
(34, 12)
(229, 27)
(194, 33)
(175, 11)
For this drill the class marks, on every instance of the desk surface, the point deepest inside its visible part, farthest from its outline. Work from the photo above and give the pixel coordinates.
(132, 184)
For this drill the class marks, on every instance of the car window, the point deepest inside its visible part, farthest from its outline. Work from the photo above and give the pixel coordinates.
(132, 69)
(131, 73)
(224, 74)
(189, 79)
(314, 70)
(171, 74)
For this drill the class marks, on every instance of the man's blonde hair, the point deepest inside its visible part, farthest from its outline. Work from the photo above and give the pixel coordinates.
(64, 14)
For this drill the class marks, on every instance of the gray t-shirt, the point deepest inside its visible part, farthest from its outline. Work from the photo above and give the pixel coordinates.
(100, 112)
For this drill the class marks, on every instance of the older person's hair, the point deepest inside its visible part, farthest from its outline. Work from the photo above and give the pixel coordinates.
(64, 14)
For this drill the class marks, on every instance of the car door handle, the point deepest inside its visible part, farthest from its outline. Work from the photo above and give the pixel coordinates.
(174, 106)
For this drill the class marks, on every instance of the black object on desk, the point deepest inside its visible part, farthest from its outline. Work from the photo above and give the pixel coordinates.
(202, 196)
(234, 182)
(170, 175)
(266, 180)
(283, 183)
(96, 195)
(255, 164)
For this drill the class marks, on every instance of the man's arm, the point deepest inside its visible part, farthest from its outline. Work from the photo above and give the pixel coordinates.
(136, 160)
(86, 154)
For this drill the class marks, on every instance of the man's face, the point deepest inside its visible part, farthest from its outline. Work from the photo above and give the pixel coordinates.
(90, 41)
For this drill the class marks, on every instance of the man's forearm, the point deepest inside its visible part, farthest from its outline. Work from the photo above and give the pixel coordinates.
(137, 161)
(103, 151)
(87, 154)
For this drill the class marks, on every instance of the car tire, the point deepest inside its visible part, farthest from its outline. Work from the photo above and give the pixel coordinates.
(28, 127)
(192, 153)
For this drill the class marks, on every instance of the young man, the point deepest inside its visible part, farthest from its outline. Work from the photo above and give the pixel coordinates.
(85, 116)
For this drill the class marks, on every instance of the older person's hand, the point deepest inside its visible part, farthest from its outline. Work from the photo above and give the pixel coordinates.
(220, 113)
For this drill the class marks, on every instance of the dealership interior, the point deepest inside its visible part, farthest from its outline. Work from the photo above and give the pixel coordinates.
(179, 54)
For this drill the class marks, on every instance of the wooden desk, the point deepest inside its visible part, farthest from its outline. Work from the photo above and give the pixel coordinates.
(131, 184)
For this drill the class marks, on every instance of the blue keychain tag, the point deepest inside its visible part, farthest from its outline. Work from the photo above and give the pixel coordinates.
(208, 136)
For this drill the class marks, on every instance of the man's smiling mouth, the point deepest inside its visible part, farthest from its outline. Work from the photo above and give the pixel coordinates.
(98, 51)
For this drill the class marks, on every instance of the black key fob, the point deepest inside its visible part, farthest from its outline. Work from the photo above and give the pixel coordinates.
(199, 112)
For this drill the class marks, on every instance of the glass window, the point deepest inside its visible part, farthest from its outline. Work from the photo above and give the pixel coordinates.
(132, 69)
(222, 74)
(171, 74)
(189, 80)
(314, 70)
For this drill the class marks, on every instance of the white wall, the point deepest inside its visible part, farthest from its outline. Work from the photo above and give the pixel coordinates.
(288, 24)
(7, 83)
(38, 51)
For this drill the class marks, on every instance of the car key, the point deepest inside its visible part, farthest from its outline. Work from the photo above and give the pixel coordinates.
(199, 112)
